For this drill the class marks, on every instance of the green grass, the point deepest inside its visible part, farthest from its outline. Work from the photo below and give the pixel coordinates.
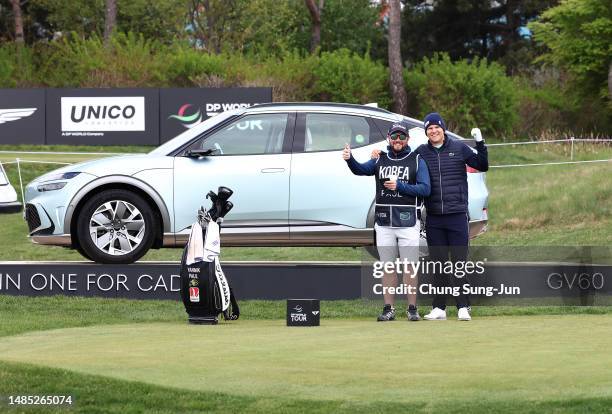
(96, 394)
(120, 356)
(548, 152)
(26, 314)
(551, 205)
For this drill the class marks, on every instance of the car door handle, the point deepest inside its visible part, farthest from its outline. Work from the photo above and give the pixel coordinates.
(272, 170)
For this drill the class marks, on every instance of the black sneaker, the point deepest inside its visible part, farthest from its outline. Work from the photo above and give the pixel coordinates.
(413, 313)
(388, 314)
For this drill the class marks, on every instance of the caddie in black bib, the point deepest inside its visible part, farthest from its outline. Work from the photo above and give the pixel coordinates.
(394, 209)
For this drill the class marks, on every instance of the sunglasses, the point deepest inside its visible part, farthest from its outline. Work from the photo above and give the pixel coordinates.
(398, 135)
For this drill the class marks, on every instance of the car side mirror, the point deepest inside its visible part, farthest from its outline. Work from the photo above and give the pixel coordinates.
(197, 153)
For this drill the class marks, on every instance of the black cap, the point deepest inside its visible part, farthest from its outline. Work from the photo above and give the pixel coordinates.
(398, 128)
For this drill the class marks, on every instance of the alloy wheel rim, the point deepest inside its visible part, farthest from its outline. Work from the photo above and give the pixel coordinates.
(117, 227)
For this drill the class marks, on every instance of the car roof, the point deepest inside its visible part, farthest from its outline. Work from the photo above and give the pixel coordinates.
(325, 107)
(340, 108)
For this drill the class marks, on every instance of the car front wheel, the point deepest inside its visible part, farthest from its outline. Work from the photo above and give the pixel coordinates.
(116, 226)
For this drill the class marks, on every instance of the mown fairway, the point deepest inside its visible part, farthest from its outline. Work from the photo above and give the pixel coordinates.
(143, 352)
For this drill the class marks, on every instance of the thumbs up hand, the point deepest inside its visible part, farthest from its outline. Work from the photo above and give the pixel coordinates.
(346, 153)
(476, 134)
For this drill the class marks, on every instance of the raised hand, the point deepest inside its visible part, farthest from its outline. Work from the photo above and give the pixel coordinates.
(346, 153)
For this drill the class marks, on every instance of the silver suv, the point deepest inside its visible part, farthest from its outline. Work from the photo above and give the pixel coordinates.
(283, 161)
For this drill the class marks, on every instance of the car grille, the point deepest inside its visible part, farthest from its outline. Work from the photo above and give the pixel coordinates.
(32, 217)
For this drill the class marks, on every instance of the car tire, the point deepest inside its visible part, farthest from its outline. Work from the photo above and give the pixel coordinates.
(116, 227)
(81, 251)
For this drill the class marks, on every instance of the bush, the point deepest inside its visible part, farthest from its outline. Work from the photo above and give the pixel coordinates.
(550, 106)
(17, 66)
(465, 94)
(130, 61)
(187, 67)
(291, 76)
(341, 76)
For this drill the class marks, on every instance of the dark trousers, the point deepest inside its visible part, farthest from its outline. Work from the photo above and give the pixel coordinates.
(448, 238)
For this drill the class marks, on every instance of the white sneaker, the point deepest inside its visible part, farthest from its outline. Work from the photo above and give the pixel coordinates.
(463, 314)
(436, 314)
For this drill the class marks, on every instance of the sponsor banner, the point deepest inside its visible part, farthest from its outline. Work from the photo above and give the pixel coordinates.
(103, 116)
(162, 280)
(499, 283)
(22, 116)
(184, 108)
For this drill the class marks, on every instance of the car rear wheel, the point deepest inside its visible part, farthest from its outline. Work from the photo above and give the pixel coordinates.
(116, 226)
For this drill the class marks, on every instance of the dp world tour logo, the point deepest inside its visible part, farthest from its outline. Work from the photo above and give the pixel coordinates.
(187, 117)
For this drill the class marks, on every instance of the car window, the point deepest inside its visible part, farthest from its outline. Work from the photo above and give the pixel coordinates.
(251, 134)
(330, 132)
(383, 126)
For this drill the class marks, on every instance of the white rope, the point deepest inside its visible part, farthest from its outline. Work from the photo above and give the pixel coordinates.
(567, 141)
(44, 162)
(66, 153)
(547, 163)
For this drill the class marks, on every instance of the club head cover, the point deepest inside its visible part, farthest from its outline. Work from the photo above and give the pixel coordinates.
(212, 195)
(224, 193)
(226, 208)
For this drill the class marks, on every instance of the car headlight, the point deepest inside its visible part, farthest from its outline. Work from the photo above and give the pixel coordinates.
(61, 176)
(56, 177)
(52, 186)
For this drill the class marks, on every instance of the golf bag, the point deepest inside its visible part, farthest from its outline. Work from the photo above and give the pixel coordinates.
(205, 290)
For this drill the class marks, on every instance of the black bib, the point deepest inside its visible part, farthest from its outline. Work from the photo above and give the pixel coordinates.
(392, 208)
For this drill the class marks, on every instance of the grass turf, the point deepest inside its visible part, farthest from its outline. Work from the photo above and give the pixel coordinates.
(118, 355)
(95, 394)
(497, 363)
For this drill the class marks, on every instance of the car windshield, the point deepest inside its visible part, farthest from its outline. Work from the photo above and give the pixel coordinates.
(189, 134)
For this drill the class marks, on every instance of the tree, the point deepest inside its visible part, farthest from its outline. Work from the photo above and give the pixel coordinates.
(578, 35)
(163, 20)
(18, 21)
(353, 25)
(272, 27)
(396, 79)
(110, 20)
(315, 16)
(495, 30)
(215, 24)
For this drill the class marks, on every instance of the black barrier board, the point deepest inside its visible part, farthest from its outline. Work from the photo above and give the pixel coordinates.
(103, 116)
(523, 283)
(184, 108)
(162, 280)
(22, 116)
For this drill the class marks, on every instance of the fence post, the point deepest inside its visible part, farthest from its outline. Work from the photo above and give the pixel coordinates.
(572, 149)
(20, 181)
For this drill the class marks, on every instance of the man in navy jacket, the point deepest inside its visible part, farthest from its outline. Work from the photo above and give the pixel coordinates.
(402, 180)
(447, 206)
